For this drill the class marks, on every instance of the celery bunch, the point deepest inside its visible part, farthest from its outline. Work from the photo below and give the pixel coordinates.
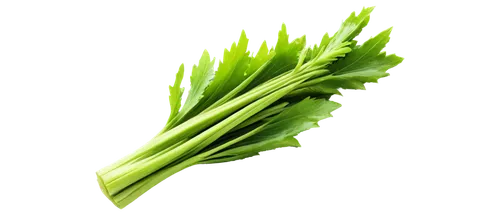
(251, 104)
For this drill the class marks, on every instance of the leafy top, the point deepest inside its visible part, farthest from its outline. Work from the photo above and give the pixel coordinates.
(352, 26)
(365, 63)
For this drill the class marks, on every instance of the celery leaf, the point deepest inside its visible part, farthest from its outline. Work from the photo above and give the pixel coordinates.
(230, 74)
(176, 91)
(285, 58)
(200, 74)
(262, 56)
(351, 27)
(315, 51)
(283, 127)
(365, 63)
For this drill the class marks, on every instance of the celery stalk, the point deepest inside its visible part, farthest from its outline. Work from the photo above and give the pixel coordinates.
(251, 104)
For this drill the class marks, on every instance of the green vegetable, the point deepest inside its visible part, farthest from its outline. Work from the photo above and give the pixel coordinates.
(251, 104)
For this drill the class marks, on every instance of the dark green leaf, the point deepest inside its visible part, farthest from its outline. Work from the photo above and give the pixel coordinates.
(365, 63)
(281, 128)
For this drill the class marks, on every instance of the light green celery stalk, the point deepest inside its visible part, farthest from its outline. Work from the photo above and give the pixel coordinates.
(135, 172)
(132, 192)
(251, 104)
(138, 171)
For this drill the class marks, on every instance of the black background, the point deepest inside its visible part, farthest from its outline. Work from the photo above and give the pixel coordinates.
(367, 157)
